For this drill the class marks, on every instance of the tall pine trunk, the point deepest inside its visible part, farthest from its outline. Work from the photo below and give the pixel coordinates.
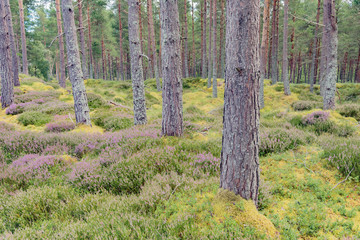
(137, 74)
(7, 85)
(240, 143)
(186, 57)
(221, 43)
(264, 49)
(172, 112)
(204, 56)
(82, 111)
(329, 55)
(314, 49)
(121, 43)
(357, 69)
(285, 61)
(62, 79)
(14, 59)
(82, 41)
(214, 51)
(273, 47)
(153, 46)
(193, 40)
(210, 43)
(89, 43)
(23, 38)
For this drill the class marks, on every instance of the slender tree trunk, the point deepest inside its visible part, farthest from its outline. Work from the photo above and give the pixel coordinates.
(314, 50)
(285, 63)
(160, 61)
(23, 38)
(264, 48)
(76, 76)
(89, 43)
(82, 41)
(141, 39)
(62, 80)
(273, 47)
(7, 85)
(172, 113)
(121, 42)
(204, 56)
(202, 35)
(222, 24)
(299, 68)
(137, 75)
(215, 65)
(329, 55)
(193, 40)
(153, 47)
(103, 58)
(210, 43)
(109, 65)
(343, 68)
(350, 72)
(240, 143)
(14, 60)
(292, 56)
(357, 69)
(186, 40)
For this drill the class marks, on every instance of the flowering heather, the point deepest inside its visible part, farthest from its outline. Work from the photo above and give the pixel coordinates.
(32, 168)
(15, 109)
(34, 95)
(315, 117)
(205, 163)
(59, 126)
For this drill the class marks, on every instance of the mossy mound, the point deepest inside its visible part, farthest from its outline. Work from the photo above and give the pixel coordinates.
(227, 204)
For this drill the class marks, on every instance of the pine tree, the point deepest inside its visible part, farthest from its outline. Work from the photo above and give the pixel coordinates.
(62, 78)
(285, 77)
(214, 51)
(23, 38)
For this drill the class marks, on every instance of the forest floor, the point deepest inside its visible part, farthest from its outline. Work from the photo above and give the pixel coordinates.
(117, 181)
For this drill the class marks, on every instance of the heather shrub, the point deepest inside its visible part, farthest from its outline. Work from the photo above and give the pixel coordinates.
(6, 127)
(280, 140)
(15, 109)
(34, 118)
(265, 194)
(305, 105)
(205, 163)
(315, 117)
(349, 110)
(95, 101)
(114, 123)
(56, 107)
(32, 169)
(343, 154)
(59, 127)
(34, 95)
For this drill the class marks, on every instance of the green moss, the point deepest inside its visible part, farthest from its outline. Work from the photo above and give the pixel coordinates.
(34, 118)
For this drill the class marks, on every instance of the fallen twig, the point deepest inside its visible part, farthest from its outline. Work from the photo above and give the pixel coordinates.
(343, 180)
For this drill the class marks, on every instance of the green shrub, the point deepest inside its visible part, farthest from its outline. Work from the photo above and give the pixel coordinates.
(305, 105)
(349, 110)
(190, 82)
(34, 118)
(193, 110)
(114, 123)
(95, 101)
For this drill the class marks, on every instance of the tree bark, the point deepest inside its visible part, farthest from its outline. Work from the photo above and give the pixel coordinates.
(210, 42)
(215, 65)
(82, 41)
(343, 68)
(285, 61)
(193, 40)
(137, 74)
(14, 60)
(240, 143)
(153, 47)
(89, 43)
(329, 55)
(264, 48)
(222, 24)
(186, 57)
(204, 56)
(314, 50)
(23, 38)
(103, 58)
(62, 79)
(121, 43)
(273, 48)
(357, 69)
(7, 85)
(74, 65)
(292, 58)
(172, 113)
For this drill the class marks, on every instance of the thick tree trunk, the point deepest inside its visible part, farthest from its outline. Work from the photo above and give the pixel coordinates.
(121, 42)
(215, 65)
(204, 56)
(273, 47)
(62, 79)
(222, 24)
(314, 50)
(82, 41)
(264, 48)
(329, 55)
(7, 85)
(172, 113)
(14, 59)
(153, 47)
(137, 74)
(193, 40)
(74, 65)
(285, 61)
(240, 144)
(23, 38)
(210, 44)
(89, 43)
